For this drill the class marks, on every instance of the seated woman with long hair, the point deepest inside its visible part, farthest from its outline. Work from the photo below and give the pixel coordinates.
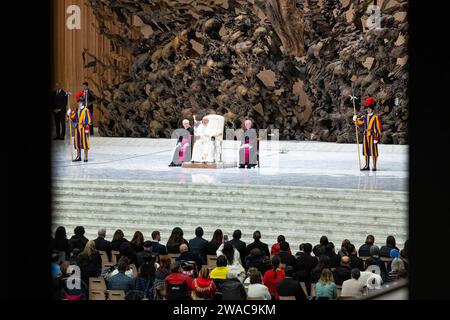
(325, 287)
(202, 286)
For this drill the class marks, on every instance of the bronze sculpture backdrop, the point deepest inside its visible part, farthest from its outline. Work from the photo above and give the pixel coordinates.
(287, 64)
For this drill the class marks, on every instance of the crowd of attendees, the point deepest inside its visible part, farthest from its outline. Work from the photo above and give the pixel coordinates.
(241, 271)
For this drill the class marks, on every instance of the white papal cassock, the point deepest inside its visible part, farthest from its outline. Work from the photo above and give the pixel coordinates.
(204, 146)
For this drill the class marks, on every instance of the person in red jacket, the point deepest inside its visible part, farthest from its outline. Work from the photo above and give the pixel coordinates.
(203, 287)
(181, 283)
(271, 277)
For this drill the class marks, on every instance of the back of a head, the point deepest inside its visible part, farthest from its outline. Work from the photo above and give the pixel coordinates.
(307, 247)
(204, 272)
(324, 240)
(370, 240)
(102, 232)
(345, 243)
(289, 272)
(390, 241)
(281, 238)
(345, 261)
(175, 267)
(76, 252)
(374, 250)
(217, 237)
(326, 276)
(177, 232)
(284, 246)
(329, 247)
(164, 262)
(118, 235)
(155, 235)
(60, 234)
(221, 261)
(356, 273)
(122, 265)
(351, 249)
(257, 235)
(237, 234)
(199, 232)
(184, 248)
(79, 231)
(255, 252)
(147, 245)
(255, 277)
(138, 239)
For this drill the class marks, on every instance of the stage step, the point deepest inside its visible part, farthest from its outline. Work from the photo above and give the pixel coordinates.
(301, 214)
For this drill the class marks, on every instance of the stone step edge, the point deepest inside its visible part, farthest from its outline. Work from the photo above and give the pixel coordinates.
(222, 185)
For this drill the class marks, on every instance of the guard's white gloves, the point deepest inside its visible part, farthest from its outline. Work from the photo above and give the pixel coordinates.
(375, 141)
(69, 112)
(354, 118)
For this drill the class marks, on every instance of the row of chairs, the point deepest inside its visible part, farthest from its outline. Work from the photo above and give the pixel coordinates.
(99, 291)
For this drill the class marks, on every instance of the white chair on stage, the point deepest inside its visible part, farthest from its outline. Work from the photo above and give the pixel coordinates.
(216, 125)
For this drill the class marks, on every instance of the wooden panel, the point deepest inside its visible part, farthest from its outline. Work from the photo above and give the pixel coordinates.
(68, 46)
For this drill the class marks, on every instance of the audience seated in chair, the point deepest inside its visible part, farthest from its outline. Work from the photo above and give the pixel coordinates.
(101, 244)
(256, 288)
(117, 240)
(178, 285)
(198, 245)
(353, 287)
(289, 287)
(271, 277)
(325, 287)
(202, 286)
(78, 240)
(120, 281)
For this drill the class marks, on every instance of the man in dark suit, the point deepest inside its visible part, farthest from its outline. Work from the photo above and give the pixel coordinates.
(343, 272)
(305, 265)
(186, 255)
(156, 246)
(90, 98)
(239, 245)
(101, 244)
(285, 255)
(198, 245)
(289, 286)
(59, 106)
(258, 244)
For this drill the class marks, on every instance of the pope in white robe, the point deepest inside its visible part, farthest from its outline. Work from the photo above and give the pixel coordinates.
(204, 144)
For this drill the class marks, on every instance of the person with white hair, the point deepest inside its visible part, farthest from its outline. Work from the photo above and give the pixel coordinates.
(183, 149)
(248, 151)
(102, 244)
(204, 144)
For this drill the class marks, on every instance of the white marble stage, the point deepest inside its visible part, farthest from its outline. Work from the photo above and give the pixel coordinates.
(317, 187)
(283, 163)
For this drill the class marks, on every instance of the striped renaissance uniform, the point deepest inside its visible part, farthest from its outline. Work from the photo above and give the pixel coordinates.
(82, 119)
(372, 130)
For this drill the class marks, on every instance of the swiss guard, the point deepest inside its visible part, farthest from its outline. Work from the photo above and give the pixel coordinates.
(81, 119)
(248, 151)
(371, 136)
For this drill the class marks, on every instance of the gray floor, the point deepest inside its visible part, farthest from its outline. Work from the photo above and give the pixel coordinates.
(310, 164)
